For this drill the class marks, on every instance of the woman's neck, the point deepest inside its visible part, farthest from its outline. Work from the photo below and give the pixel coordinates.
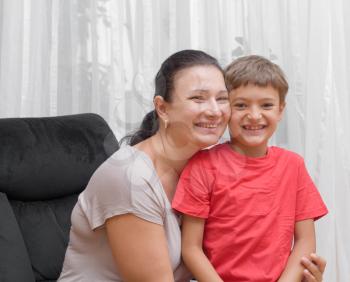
(168, 160)
(166, 155)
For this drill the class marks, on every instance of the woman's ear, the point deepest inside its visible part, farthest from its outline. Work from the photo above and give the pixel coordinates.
(160, 107)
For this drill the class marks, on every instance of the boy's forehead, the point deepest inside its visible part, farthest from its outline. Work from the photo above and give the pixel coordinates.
(254, 92)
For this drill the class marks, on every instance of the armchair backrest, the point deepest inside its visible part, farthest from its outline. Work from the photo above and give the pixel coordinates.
(44, 164)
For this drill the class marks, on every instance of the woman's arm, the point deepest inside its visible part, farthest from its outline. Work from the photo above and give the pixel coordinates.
(139, 249)
(304, 244)
(192, 252)
(314, 268)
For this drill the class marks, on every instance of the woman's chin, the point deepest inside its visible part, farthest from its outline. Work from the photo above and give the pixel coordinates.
(206, 141)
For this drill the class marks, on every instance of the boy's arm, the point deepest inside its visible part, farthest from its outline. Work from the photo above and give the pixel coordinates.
(304, 244)
(192, 252)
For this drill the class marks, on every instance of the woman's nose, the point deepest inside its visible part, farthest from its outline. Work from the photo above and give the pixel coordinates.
(213, 108)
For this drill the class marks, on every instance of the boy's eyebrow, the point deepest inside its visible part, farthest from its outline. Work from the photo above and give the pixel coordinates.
(263, 99)
(239, 98)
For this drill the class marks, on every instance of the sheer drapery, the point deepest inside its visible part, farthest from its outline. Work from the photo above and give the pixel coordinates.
(60, 57)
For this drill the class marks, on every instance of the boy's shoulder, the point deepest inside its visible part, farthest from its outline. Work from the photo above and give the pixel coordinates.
(286, 154)
(207, 155)
(213, 150)
(213, 154)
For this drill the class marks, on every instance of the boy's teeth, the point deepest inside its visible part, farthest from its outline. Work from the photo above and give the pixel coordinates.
(254, 127)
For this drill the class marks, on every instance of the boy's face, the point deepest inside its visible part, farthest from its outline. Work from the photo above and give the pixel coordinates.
(256, 112)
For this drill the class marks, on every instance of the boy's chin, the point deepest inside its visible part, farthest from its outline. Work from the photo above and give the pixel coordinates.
(250, 145)
(253, 141)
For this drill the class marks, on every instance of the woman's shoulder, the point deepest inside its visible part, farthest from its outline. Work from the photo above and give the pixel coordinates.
(126, 162)
(123, 184)
(127, 169)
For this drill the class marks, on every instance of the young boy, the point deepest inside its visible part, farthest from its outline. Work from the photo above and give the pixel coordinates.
(243, 202)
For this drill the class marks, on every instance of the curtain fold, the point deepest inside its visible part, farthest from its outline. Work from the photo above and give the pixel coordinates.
(11, 57)
(63, 57)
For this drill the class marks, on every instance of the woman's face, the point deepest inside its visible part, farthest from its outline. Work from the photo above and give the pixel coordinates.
(199, 109)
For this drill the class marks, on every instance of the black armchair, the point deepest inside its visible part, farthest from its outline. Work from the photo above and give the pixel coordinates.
(44, 164)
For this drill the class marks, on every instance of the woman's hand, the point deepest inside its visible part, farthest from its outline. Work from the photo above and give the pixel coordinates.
(314, 268)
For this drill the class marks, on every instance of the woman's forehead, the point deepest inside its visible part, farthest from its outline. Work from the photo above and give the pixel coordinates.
(202, 77)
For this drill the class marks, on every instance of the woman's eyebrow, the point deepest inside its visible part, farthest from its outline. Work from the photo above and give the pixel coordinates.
(203, 90)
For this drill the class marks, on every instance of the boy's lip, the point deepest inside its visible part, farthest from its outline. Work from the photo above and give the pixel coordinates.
(253, 127)
(256, 130)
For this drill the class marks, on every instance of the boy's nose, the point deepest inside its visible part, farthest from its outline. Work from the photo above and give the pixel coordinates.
(254, 115)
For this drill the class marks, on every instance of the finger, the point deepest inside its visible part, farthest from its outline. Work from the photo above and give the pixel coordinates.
(319, 261)
(308, 277)
(312, 268)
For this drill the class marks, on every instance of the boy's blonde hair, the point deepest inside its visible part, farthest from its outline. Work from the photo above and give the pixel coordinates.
(256, 70)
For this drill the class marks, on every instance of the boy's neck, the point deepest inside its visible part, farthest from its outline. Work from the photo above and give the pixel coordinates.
(252, 152)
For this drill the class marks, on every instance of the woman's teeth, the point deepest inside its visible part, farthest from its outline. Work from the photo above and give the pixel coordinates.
(207, 125)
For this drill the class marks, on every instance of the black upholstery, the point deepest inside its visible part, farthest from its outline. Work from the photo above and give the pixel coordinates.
(44, 164)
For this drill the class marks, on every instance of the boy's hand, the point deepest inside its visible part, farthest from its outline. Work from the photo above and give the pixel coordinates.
(314, 268)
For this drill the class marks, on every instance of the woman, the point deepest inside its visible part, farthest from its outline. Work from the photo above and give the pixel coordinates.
(123, 227)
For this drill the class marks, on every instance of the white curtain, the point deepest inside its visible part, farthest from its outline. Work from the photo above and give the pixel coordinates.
(70, 56)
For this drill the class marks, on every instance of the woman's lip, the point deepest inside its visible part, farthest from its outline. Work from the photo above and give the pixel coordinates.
(207, 125)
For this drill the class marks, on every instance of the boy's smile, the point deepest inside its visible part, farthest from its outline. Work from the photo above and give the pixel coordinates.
(256, 112)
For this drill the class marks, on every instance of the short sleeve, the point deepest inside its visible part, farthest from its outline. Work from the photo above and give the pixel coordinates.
(309, 204)
(192, 196)
(117, 188)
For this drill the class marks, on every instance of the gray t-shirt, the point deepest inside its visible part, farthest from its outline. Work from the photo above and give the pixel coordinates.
(125, 183)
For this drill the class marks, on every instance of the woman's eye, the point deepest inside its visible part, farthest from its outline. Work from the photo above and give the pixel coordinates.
(196, 98)
(222, 98)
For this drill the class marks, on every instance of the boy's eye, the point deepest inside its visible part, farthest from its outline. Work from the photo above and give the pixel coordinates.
(240, 106)
(267, 105)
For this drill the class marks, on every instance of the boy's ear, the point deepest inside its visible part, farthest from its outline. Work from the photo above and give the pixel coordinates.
(160, 107)
(282, 106)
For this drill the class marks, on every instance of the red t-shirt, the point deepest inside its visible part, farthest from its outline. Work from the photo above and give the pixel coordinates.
(250, 206)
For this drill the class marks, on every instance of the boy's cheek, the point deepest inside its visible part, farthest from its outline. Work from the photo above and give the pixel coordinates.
(233, 127)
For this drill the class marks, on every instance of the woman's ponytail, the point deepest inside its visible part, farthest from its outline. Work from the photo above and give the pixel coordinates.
(148, 128)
